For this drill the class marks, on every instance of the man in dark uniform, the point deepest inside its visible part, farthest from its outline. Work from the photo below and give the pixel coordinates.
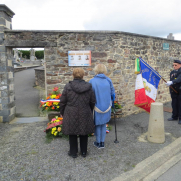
(175, 81)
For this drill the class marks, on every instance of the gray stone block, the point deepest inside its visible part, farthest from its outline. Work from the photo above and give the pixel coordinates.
(10, 81)
(5, 119)
(2, 35)
(10, 69)
(11, 117)
(92, 73)
(7, 17)
(94, 60)
(10, 105)
(2, 49)
(1, 41)
(61, 61)
(91, 48)
(99, 37)
(117, 72)
(5, 100)
(2, 63)
(4, 82)
(5, 106)
(1, 15)
(1, 29)
(2, 21)
(3, 87)
(61, 44)
(3, 68)
(68, 73)
(2, 55)
(5, 112)
(53, 57)
(29, 43)
(117, 56)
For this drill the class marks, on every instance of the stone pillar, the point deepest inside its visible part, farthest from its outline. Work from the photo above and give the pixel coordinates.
(156, 133)
(7, 104)
(32, 54)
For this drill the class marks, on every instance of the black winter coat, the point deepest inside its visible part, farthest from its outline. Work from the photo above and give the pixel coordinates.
(175, 77)
(76, 107)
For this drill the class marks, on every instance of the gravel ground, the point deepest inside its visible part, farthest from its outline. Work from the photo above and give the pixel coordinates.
(24, 154)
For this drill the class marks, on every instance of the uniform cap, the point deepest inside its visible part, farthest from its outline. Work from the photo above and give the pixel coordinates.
(177, 61)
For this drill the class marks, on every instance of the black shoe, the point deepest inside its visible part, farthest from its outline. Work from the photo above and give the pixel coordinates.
(84, 154)
(96, 144)
(102, 145)
(73, 156)
(179, 122)
(172, 119)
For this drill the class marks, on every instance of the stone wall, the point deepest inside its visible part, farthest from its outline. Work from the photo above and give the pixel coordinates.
(117, 51)
(114, 49)
(40, 77)
(7, 104)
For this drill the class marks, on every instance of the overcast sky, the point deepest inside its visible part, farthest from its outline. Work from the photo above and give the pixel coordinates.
(148, 17)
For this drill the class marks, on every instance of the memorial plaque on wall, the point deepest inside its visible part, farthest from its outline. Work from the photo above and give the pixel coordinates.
(79, 58)
(165, 46)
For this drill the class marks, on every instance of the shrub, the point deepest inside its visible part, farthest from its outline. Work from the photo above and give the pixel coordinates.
(39, 54)
(25, 53)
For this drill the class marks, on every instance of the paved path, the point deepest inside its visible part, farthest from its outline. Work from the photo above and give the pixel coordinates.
(26, 96)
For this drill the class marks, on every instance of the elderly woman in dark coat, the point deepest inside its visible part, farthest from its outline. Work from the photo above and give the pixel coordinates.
(76, 106)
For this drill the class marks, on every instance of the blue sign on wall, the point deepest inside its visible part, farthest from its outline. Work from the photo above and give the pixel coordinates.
(165, 46)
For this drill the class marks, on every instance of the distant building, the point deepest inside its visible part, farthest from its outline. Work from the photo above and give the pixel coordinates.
(170, 36)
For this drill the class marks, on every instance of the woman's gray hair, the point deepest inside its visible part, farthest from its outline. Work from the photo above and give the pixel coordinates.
(100, 69)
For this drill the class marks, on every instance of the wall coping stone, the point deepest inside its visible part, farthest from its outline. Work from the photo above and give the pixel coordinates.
(40, 68)
(17, 69)
(8, 11)
(88, 32)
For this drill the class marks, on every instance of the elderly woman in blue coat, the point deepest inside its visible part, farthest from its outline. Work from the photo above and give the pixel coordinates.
(105, 94)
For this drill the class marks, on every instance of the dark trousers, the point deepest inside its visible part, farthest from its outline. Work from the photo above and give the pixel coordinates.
(176, 105)
(73, 141)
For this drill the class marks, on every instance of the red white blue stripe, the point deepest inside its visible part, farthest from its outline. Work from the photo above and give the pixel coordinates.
(50, 100)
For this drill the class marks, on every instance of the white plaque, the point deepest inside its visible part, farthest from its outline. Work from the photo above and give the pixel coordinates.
(79, 58)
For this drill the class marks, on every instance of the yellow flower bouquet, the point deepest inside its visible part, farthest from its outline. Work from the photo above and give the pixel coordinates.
(52, 102)
(54, 128)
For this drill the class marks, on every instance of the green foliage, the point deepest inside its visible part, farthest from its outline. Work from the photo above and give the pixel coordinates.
(39, 54)
(117, 105)
(49, 137)
(25, 53)
(109, 127)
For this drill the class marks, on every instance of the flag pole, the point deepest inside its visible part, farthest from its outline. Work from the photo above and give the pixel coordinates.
(170, 86)
(162, 78)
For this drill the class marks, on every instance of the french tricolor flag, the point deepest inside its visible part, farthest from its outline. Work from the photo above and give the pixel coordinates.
(146, 86)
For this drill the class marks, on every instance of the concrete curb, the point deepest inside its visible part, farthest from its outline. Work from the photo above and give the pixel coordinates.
(26, 120)
(150, 164)
(163, 168)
